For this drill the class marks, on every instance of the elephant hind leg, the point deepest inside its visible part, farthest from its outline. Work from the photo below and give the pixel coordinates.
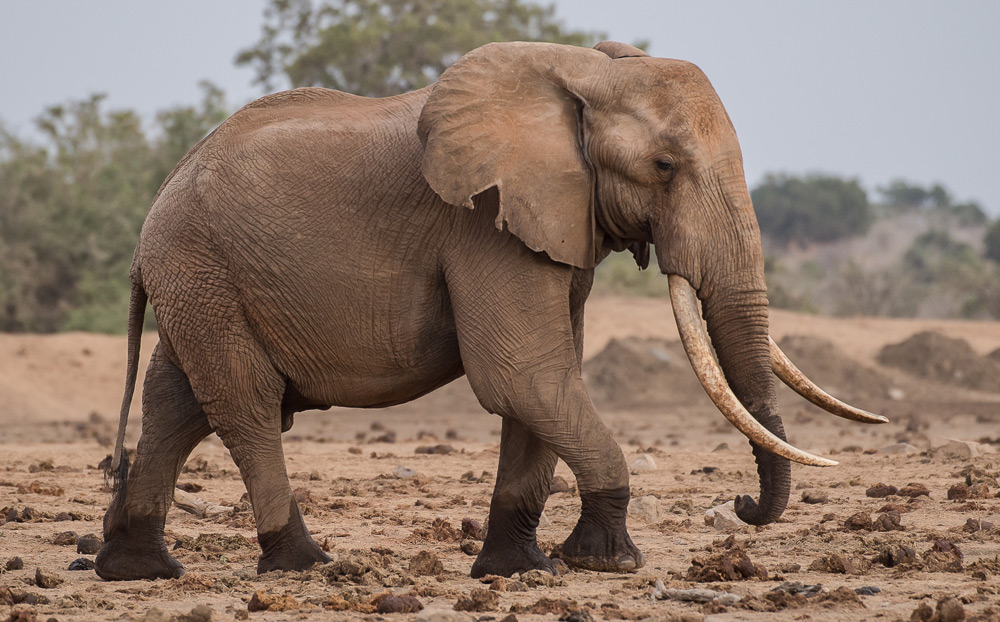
(173, 424)
(242, 398)
(524, 478)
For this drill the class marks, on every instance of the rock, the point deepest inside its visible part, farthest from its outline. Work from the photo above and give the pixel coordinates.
(958, 449)
(943, 556)
(923, 613)
(478, 599)
(442, 615)
(81, 563)
(695, 595)
(425, 563)
(798, 587)
(642, 462)
(397, 604)
(438, 450)
(644, 508)
(897, 555)
(895, 394)
(914, 490)
(559, 484)
(501, 584)
(88, 544)
(861, 521)
(889, 521)
(470, 547)
(65, 538)
(867, 590)
(815, 496)
(200, 613)
(958, 492)
(403, 472)
(838, 563)
(979, 491)
(899, 449)
(540, 578)
(723, 517)
(879, 491)
(731, 565)
(265, 601)
(473, 529)
(949, 610)
(47, 580)
(14, 563)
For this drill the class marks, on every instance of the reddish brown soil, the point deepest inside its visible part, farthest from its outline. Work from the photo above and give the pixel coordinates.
(58, 403)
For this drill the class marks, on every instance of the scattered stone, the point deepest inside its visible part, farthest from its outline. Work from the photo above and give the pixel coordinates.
(888, 521)
(958, 492)
(46, 580)
(798, 587)
(436, 450)
(861, 521)
(899, 449)
(200, 613)
(390, 603)
(14, 563)
(879, 491)
(838, 563)
(731, 565)
(694, 595)
(89, 544)
(403, 472)
(425, 564)
(867, 590)
(478, 599)
(949, 610)
(979, 491)
(815, 496)
(22, 614)
(644, 508)
(914, 490)
(897, 555)
(943, 556)
(265, 601)
(473, 529)
(81, 563)
(502, 584)
(723, 517)
(442, 615)
(65, 538)
(893, 507)
(559, 484)
(841, 596)
(923, 613)
(541, 578)
(470, 547)
(958, 449)
(642, 462)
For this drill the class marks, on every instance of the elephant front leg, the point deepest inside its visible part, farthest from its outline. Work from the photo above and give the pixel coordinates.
(524, 478)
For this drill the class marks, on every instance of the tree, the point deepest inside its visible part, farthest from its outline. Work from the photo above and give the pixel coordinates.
(386, 47)
(815, 208)
(71, 209)
(992, 242)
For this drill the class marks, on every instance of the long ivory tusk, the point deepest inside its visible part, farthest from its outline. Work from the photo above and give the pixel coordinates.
(790, 375)
(699, 351)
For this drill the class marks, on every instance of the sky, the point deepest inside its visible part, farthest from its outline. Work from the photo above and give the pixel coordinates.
(869, 90)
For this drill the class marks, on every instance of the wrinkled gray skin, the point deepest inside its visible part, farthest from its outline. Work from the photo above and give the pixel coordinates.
(324, 249)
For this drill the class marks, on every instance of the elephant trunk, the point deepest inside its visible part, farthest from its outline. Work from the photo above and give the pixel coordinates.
(738, 328)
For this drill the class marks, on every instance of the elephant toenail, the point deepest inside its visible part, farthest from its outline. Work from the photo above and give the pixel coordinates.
(626, 562)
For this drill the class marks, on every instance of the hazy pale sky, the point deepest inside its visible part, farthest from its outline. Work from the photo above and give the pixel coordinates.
(873, 90)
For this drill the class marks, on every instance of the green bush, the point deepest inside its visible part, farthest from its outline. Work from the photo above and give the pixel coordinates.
(815, 208)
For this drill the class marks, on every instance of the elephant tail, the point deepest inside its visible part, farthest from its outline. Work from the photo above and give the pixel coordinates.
(118, 470)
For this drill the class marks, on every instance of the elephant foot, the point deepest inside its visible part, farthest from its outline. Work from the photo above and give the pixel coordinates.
(600, 541)
(505, 559)
(128, 559)
(291, 548)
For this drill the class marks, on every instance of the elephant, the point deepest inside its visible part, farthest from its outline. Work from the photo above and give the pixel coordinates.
(323, 249)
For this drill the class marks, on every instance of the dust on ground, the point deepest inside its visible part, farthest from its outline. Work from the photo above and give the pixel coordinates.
(907, 525)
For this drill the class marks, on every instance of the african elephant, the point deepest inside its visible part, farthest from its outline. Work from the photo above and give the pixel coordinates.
(321, 248)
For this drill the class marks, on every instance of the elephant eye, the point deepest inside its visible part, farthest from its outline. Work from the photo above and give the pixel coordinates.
(665, 165)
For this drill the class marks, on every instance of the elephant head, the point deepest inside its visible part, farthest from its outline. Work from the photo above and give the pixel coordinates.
(607, 149)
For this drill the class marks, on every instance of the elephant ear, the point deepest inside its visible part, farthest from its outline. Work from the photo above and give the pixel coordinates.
(614, 49)
(510, 115)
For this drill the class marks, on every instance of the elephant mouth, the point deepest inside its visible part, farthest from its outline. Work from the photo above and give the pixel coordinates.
(698, 347)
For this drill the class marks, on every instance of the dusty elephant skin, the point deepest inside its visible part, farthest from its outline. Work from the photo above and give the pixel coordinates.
(321, 249)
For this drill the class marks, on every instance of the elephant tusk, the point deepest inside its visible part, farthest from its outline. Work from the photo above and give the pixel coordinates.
(797, 381)
(699, 350)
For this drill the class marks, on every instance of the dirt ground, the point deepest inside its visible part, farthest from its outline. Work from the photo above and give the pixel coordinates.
(906, 522)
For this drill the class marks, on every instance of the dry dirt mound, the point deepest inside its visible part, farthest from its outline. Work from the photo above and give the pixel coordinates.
(936, 357)
(635, 371)
(829, 367)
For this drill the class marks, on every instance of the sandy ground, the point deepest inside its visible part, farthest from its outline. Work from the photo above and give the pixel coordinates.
(59, 397)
